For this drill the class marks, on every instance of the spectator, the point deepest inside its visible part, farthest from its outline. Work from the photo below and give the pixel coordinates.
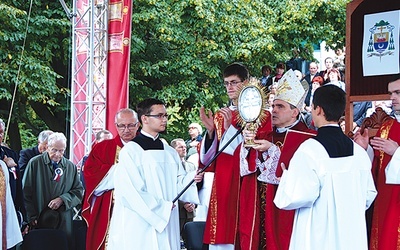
(328, 66)
(266, 79)
(317, 82)
(186, 209)
(26, 154)
(313, 72)
(334, 78)
(279, 71)
(51, 182)
(100, 136)
(195, 131)
(360, 112)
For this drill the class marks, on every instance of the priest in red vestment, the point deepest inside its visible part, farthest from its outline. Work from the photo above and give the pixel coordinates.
(385, 230)
(233, 214)
(97, 206)
(276, 224)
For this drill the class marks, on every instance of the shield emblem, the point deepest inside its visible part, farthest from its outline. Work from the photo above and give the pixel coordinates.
(381, 41)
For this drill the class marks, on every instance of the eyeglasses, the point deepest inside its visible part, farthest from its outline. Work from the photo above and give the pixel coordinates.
(129, 126)
(54, 150)
(159, 116)
(192, 128)
(232, 83)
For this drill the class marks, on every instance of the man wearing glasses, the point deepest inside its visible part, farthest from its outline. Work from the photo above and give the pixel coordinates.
(51, 182)
(148, 178)
(233, 212)
(97, 203)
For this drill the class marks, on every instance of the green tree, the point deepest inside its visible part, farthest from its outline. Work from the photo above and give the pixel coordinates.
(178, 50)
(40, 74)
(180, 47)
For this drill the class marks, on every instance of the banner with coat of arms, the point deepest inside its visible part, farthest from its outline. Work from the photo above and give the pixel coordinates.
(380, 55)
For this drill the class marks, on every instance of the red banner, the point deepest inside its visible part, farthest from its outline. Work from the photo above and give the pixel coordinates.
(119, 36)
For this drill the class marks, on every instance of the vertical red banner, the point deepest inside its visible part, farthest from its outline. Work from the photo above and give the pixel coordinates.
(119, 35)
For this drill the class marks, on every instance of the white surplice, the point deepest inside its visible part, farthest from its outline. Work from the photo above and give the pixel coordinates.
(330, 195)
(145, 183)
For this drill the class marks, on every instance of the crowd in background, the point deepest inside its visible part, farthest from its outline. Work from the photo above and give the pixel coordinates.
(42, 180)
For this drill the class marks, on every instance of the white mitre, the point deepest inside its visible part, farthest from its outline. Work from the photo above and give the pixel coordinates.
(291, 90)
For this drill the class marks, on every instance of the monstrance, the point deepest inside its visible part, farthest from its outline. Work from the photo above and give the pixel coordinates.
(251, 103)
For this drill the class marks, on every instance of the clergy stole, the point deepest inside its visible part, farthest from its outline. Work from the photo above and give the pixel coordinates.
(385, 230)
(3, 187)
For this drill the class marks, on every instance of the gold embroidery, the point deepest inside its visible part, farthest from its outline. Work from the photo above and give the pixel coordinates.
(213, 210)
(384, 133)
(118, 149)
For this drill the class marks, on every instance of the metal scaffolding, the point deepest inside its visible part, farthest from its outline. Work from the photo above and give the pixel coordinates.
(89, 75)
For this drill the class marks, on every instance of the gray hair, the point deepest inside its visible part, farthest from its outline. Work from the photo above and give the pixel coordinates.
(56, 136)
(196, 125)
(174, 142)
(44, 135)
(101, 133)
(126, 111)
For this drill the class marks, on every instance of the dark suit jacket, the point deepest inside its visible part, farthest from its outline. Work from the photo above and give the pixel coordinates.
(15, 184)
(307, 77)
(24, 156)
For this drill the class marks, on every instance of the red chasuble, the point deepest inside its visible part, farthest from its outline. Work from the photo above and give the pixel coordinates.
(278, 223)
(385, 231)
(233, 214)
(97, 217)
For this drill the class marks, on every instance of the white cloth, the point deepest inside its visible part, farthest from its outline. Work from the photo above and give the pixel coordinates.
(330, 195)
(392, 170)
(13, 231)
(268, 167)
(205, 157)
(221, 247)
(204, 197)
(145, 183)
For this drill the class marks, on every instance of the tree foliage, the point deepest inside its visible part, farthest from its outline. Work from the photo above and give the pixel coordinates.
(178, 50)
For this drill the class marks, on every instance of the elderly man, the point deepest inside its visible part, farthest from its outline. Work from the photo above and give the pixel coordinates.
(26, 154)
(51, 182)
(186, 209)
(195, 131)
(97, 205)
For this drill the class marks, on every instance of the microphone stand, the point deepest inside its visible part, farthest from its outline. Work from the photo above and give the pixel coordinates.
(209, 163)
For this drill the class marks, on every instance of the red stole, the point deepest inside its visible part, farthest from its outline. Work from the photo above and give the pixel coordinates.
(233, 214)
(99, 161)
(385, 231)
(278, 223)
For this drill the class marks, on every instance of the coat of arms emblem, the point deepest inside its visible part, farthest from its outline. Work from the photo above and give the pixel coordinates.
(381, 41)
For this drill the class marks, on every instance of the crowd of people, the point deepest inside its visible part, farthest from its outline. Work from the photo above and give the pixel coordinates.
(248, 198)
